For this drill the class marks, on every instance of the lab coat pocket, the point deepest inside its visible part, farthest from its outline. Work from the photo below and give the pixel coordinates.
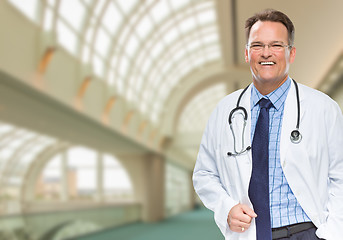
(297, 164)
(227, 170)
(303, 179)
(235, 173)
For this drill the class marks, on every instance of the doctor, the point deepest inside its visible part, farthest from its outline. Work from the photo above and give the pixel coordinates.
(304, 176)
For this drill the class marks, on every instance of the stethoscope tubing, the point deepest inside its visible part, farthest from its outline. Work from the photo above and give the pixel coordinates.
(295, 136)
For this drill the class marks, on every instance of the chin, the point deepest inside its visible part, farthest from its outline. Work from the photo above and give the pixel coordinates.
(267, 78)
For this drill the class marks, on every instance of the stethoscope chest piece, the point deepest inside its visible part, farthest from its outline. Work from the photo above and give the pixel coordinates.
(295, 136)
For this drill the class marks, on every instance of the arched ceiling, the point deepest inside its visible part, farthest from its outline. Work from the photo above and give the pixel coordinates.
(158, 55)
(140, 48)
(318, 42)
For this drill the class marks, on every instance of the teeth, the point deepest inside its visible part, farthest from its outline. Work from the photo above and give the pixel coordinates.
(267, 63)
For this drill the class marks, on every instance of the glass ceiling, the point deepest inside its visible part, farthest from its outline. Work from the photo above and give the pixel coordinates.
(195, 115)
(141, 48)
(18, 149)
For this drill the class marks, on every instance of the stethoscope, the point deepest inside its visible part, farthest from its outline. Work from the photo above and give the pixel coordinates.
(295, 134)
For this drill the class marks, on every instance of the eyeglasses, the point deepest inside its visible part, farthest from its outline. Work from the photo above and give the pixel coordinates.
(274, 47)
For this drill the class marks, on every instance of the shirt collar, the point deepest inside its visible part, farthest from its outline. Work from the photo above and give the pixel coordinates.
(277, 97)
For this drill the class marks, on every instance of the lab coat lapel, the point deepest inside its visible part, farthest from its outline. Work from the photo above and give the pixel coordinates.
(246, 159)
(289, 120)
(246, 104)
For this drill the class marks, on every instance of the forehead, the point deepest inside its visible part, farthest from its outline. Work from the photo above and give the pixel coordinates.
(267, 31)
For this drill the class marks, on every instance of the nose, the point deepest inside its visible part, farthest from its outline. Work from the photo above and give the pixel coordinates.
(266, 52)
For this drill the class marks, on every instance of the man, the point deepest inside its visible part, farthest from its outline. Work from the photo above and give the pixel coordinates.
(278, 186)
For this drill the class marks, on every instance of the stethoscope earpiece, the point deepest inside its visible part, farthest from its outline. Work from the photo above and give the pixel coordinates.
(237, 153)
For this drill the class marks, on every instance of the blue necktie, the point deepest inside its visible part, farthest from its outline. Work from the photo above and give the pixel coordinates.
(259, 182)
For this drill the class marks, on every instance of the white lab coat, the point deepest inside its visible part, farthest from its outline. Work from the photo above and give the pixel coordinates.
(313, 168)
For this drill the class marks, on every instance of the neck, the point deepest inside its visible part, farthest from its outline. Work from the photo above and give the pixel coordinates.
(266, 87)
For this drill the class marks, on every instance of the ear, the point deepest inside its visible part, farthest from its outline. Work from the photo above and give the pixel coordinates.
(246, 55)
(292, 55)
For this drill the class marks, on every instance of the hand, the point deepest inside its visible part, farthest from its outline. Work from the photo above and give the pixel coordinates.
(240, 217)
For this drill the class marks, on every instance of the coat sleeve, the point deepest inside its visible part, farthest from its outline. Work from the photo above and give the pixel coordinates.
(334, 223)
(206, 177)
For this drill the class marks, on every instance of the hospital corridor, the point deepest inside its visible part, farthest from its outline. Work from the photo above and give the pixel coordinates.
(103, 104)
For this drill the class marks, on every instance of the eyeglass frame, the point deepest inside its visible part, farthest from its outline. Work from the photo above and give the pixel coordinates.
(270, 45)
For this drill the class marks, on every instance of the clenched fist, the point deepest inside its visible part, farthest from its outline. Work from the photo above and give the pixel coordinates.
(240, 217)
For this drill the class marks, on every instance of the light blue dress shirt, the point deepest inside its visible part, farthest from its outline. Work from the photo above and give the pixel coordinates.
(284, 207)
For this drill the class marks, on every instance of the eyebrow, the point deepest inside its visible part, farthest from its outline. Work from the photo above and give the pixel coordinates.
(259, 42)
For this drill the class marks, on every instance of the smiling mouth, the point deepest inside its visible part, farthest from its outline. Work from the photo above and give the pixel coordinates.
(267, 63)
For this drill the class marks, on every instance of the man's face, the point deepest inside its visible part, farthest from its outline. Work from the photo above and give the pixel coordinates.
(269, 66)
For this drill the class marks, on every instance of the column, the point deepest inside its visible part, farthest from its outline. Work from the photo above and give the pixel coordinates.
(64, 177)
(99, 196)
